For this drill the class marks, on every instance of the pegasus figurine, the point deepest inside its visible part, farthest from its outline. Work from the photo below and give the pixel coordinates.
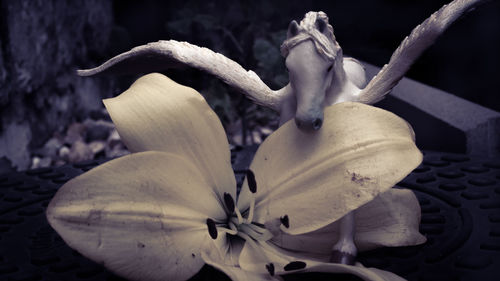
(319, 76)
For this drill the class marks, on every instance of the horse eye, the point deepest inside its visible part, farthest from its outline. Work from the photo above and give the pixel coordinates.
(329, 68)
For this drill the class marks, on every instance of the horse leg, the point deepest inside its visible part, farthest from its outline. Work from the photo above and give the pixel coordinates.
(344, 251)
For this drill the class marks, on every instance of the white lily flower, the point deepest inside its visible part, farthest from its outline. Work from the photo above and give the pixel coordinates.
(171, 206)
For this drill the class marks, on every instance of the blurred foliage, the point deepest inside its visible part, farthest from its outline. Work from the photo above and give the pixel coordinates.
(242, 38)
(250, 32)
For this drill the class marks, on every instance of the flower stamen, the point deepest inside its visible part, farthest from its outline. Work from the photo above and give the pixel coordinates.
(264, 235)
(252, 186)
(270, 268)
(254, 245)
(285, 221)
(294, 265)
(238, 214)
(261, 247)
(232, 226)
(228, 231)
(212, 228)
(249, 240)
(229, 202)
(251, 210)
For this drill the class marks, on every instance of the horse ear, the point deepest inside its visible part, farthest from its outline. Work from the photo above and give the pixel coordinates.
(321, 25)
(293, 29)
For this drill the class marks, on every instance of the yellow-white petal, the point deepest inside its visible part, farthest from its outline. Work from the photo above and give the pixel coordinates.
(220, 260)
(156, 113)
(251, 259)
(397, 214)
(316, 178)
(365, 273)
(390, 220)
(143, 216)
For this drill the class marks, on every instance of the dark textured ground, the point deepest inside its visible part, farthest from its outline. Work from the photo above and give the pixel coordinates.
(459, 196)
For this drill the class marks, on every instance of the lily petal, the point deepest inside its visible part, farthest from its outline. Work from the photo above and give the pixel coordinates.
(398, 213)
(366, 273)
(283, 261)
(316, 178)
(227, 262)
(142, 216)
(156, 113)
(390, 220)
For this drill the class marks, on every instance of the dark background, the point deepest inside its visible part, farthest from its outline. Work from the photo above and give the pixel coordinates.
(464, 61)
(43, 42)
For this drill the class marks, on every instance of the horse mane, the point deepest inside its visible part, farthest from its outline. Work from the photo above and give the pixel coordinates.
(325, 42)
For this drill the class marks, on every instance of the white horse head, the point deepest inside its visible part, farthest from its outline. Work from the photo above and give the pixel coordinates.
(314, 62)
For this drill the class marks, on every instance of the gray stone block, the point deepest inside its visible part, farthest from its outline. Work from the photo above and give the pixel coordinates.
(442, 121)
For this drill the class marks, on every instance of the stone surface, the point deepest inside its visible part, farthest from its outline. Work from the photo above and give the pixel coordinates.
(442, 121)
(42, 43)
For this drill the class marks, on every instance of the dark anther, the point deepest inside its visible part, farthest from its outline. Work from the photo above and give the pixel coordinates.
(270, 268)
(252, 185)
(294, 265)
(285, 221)
(229, 201)
(212, 229)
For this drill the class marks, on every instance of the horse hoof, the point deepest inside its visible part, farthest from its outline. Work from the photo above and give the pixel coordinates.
(342, 258)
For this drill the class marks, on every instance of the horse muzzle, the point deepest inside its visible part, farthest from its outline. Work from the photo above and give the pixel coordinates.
(309, 124)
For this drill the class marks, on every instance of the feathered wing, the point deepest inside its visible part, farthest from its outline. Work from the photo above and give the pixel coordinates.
(174, 54)
(411, 48)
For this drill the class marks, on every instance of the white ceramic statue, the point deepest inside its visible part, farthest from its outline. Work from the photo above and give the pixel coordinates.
(319, 76)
